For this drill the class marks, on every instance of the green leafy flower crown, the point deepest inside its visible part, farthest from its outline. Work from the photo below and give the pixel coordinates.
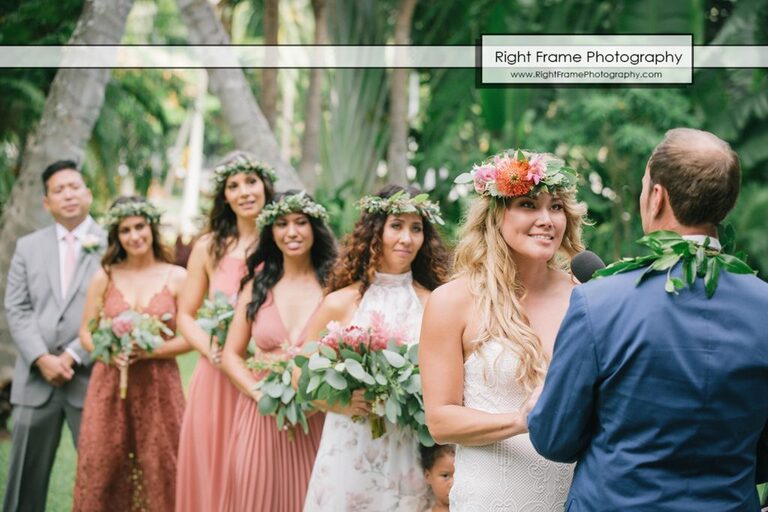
(131, 209)
(519, 173)
(401, 203)
(296, 203)
(242, 163)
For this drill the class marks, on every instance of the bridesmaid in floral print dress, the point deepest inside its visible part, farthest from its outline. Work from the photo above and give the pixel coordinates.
(388, 265)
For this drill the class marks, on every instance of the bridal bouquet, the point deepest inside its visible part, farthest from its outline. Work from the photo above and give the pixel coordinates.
(279, 398)
(215, 316)
(123, 333)
(375, 359)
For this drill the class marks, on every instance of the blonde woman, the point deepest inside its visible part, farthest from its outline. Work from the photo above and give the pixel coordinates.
(488, 334)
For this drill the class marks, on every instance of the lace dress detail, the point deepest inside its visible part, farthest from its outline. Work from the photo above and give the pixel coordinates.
(354, 472)
(127, 447)
(507, 475)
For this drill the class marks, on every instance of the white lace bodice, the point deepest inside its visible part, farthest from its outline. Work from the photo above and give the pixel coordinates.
(508, 475)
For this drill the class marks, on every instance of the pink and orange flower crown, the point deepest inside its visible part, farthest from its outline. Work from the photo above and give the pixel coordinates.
(520, 173)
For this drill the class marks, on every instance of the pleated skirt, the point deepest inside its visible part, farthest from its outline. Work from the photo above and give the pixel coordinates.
(205, 435)
(267, 470)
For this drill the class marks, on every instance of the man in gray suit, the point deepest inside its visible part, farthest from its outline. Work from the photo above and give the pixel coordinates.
(49, 275)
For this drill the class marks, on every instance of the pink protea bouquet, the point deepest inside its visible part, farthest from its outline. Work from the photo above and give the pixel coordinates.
(122, 334)
(376, 359)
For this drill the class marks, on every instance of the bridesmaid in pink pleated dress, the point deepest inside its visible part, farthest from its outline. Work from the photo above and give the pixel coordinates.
(267, 470)
(217, 263)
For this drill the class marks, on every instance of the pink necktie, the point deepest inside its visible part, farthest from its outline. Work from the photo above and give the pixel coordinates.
(69, 263)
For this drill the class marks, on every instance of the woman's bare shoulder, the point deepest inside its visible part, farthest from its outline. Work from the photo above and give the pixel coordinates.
(342, 299)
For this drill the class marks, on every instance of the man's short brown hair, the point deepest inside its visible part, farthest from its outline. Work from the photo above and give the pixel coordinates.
(701, 173)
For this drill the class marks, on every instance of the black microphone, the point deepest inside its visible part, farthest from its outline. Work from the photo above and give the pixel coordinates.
(585, 264)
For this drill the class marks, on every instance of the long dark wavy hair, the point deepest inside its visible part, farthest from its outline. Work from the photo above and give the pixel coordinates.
(361, 251)
(222, 221)
(268, 258)
(115, 252)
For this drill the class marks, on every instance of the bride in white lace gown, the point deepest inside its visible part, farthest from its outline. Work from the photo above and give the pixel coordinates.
(352, 471)
(487, 336)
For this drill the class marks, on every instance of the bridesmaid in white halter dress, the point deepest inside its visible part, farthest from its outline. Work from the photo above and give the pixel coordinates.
(389, 264)
(487, 335)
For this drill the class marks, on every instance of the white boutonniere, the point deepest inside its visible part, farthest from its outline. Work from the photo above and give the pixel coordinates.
(91, 244)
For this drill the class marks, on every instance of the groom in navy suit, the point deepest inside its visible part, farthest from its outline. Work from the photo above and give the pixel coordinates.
(662, 399)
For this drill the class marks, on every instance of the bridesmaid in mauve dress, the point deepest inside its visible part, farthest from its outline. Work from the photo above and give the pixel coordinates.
(127, 448)
(267, 470)
(217, 264)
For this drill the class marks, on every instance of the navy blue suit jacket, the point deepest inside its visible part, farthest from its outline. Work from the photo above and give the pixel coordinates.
(661, 399)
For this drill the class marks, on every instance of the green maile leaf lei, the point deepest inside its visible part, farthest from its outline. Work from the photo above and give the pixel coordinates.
(698, 260)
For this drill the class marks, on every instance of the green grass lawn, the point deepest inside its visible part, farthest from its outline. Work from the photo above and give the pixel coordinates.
(63, 474)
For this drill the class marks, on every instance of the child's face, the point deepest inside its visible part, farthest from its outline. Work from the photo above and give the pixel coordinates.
(440, 477)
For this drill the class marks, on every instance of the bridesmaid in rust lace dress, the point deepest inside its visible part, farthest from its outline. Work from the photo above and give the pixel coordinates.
(217, 264)
(127, 449)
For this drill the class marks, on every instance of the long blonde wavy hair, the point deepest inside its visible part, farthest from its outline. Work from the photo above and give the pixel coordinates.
(485, 258)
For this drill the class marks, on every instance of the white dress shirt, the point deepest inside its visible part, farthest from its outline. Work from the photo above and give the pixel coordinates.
(714, 243)
(80, 231)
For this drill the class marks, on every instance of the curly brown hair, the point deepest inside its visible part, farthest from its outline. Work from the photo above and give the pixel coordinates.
(361, 251)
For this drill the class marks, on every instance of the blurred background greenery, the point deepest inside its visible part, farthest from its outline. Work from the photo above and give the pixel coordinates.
(607, 134)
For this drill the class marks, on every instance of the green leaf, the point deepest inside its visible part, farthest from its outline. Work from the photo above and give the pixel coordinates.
(413, 353)
(335, 380)
(381, 379)
(712, 276)
(666, 261)
(318, 362)
(268, 405)
(273, 389)
(314, 383)
(392, 409)
(734, 265)
(280, 418)
(328, 352)
(689, 270)
(394, 358)
(351, 354)
(288, 394)
(520, 156)
(356, 370)
(290, 413)
(463, 178)
(425, 437)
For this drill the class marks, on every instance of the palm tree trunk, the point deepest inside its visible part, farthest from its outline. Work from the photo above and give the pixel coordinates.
(238, 106)
(71, 110)
(269, 75)
(310, 142)
(397, 151)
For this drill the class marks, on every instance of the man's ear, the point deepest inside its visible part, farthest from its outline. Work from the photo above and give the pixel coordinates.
(659, 199)
(45, 203)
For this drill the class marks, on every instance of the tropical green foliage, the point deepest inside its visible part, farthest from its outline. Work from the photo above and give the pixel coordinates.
(606, 134)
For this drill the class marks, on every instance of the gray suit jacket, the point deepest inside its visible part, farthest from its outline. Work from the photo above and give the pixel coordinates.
(41, 321)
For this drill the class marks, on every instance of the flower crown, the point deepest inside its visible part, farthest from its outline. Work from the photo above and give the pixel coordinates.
(131, 209)
(401, 202)
(519, 173)
(242, 163)
(296, 203)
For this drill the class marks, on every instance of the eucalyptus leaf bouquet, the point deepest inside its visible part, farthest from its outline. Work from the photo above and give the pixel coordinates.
(122, 334)
(279, 398)
(375, 359)
(215, 317)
